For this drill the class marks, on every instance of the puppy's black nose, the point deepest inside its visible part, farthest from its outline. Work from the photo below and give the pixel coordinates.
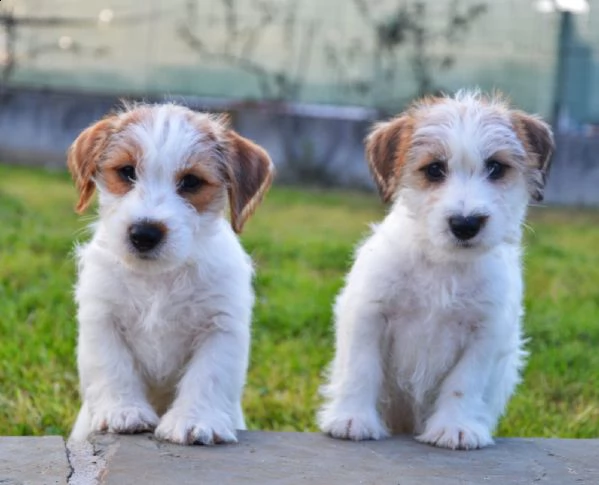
(145, 236)
(465, 228)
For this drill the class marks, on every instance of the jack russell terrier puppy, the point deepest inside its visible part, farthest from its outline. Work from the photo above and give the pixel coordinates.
(428, 325)
(164, 291)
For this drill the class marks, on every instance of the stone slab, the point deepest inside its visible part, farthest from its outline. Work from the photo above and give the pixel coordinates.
(33, 461)
(304, 458)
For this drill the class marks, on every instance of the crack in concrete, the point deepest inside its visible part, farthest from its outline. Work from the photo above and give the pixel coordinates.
(89, 465)
(71, 468)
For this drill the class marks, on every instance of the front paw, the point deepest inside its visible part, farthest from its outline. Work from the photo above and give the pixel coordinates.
(188, 429)
(455, 433)
(124, 419)
(353, 426)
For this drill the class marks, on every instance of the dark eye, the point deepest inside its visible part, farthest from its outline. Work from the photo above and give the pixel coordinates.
(435, 172)
(495, 169)
(127, 173)
(189, 183)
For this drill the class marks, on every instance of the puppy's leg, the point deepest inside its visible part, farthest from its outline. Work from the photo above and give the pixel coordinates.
(463, 417)
(239, 419)
(112, 391)
(82, 425)
(504, 379)
(207, 408)
(356, 375)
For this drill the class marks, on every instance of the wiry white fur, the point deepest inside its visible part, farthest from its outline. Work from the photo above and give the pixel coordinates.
(428, 332)
(163, 343)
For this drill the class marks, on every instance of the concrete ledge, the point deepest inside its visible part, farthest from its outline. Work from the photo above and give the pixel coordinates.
(274, 458)
(295, 458)
(33, 461)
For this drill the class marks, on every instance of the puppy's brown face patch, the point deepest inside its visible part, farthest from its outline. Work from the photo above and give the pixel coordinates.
(202, 186)
(427, 171)
(196, 154)
(118, 171)
(504, 167)
(249, 174)
(418, 149)
(84, 157)
(430, 168)
(538, 142)
(387, 149)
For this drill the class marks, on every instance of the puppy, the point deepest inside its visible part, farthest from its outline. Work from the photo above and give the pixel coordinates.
(428, 333)
(164, 290)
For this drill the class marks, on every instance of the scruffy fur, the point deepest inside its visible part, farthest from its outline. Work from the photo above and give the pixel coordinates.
(428, 332)
(164, 335)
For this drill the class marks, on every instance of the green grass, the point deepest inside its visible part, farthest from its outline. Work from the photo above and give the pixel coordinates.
(302, 241)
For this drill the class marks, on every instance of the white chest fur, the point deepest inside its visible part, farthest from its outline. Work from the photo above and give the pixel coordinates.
(162, 318)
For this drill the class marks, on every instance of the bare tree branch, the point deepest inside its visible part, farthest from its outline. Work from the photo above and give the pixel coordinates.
(238, 50)
(230, 23)
(253, 35)
(364, 10)
(409, 27)
(305, 57)
(242, 63)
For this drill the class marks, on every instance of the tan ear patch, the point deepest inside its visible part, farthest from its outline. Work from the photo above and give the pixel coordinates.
(537, 139)
(249, 173)
(84, 156)
(386, 153)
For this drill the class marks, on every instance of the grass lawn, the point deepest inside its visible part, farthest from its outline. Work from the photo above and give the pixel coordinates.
(302, 241)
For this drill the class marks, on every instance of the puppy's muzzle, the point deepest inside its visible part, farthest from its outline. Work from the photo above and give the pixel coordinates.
(465, 228)
(145, 236)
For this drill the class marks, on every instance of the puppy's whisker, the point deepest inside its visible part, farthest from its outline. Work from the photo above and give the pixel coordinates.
(89, 218)
(528, 227)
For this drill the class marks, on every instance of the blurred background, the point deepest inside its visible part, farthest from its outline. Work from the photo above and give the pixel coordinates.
(305, 79)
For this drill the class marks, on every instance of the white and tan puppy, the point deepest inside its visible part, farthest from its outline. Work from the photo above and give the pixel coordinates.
(428, 332)
(164, 291)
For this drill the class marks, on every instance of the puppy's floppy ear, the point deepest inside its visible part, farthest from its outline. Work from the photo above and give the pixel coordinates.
(249, 173)
(386, 150)
(83, 158)
(537, 138)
